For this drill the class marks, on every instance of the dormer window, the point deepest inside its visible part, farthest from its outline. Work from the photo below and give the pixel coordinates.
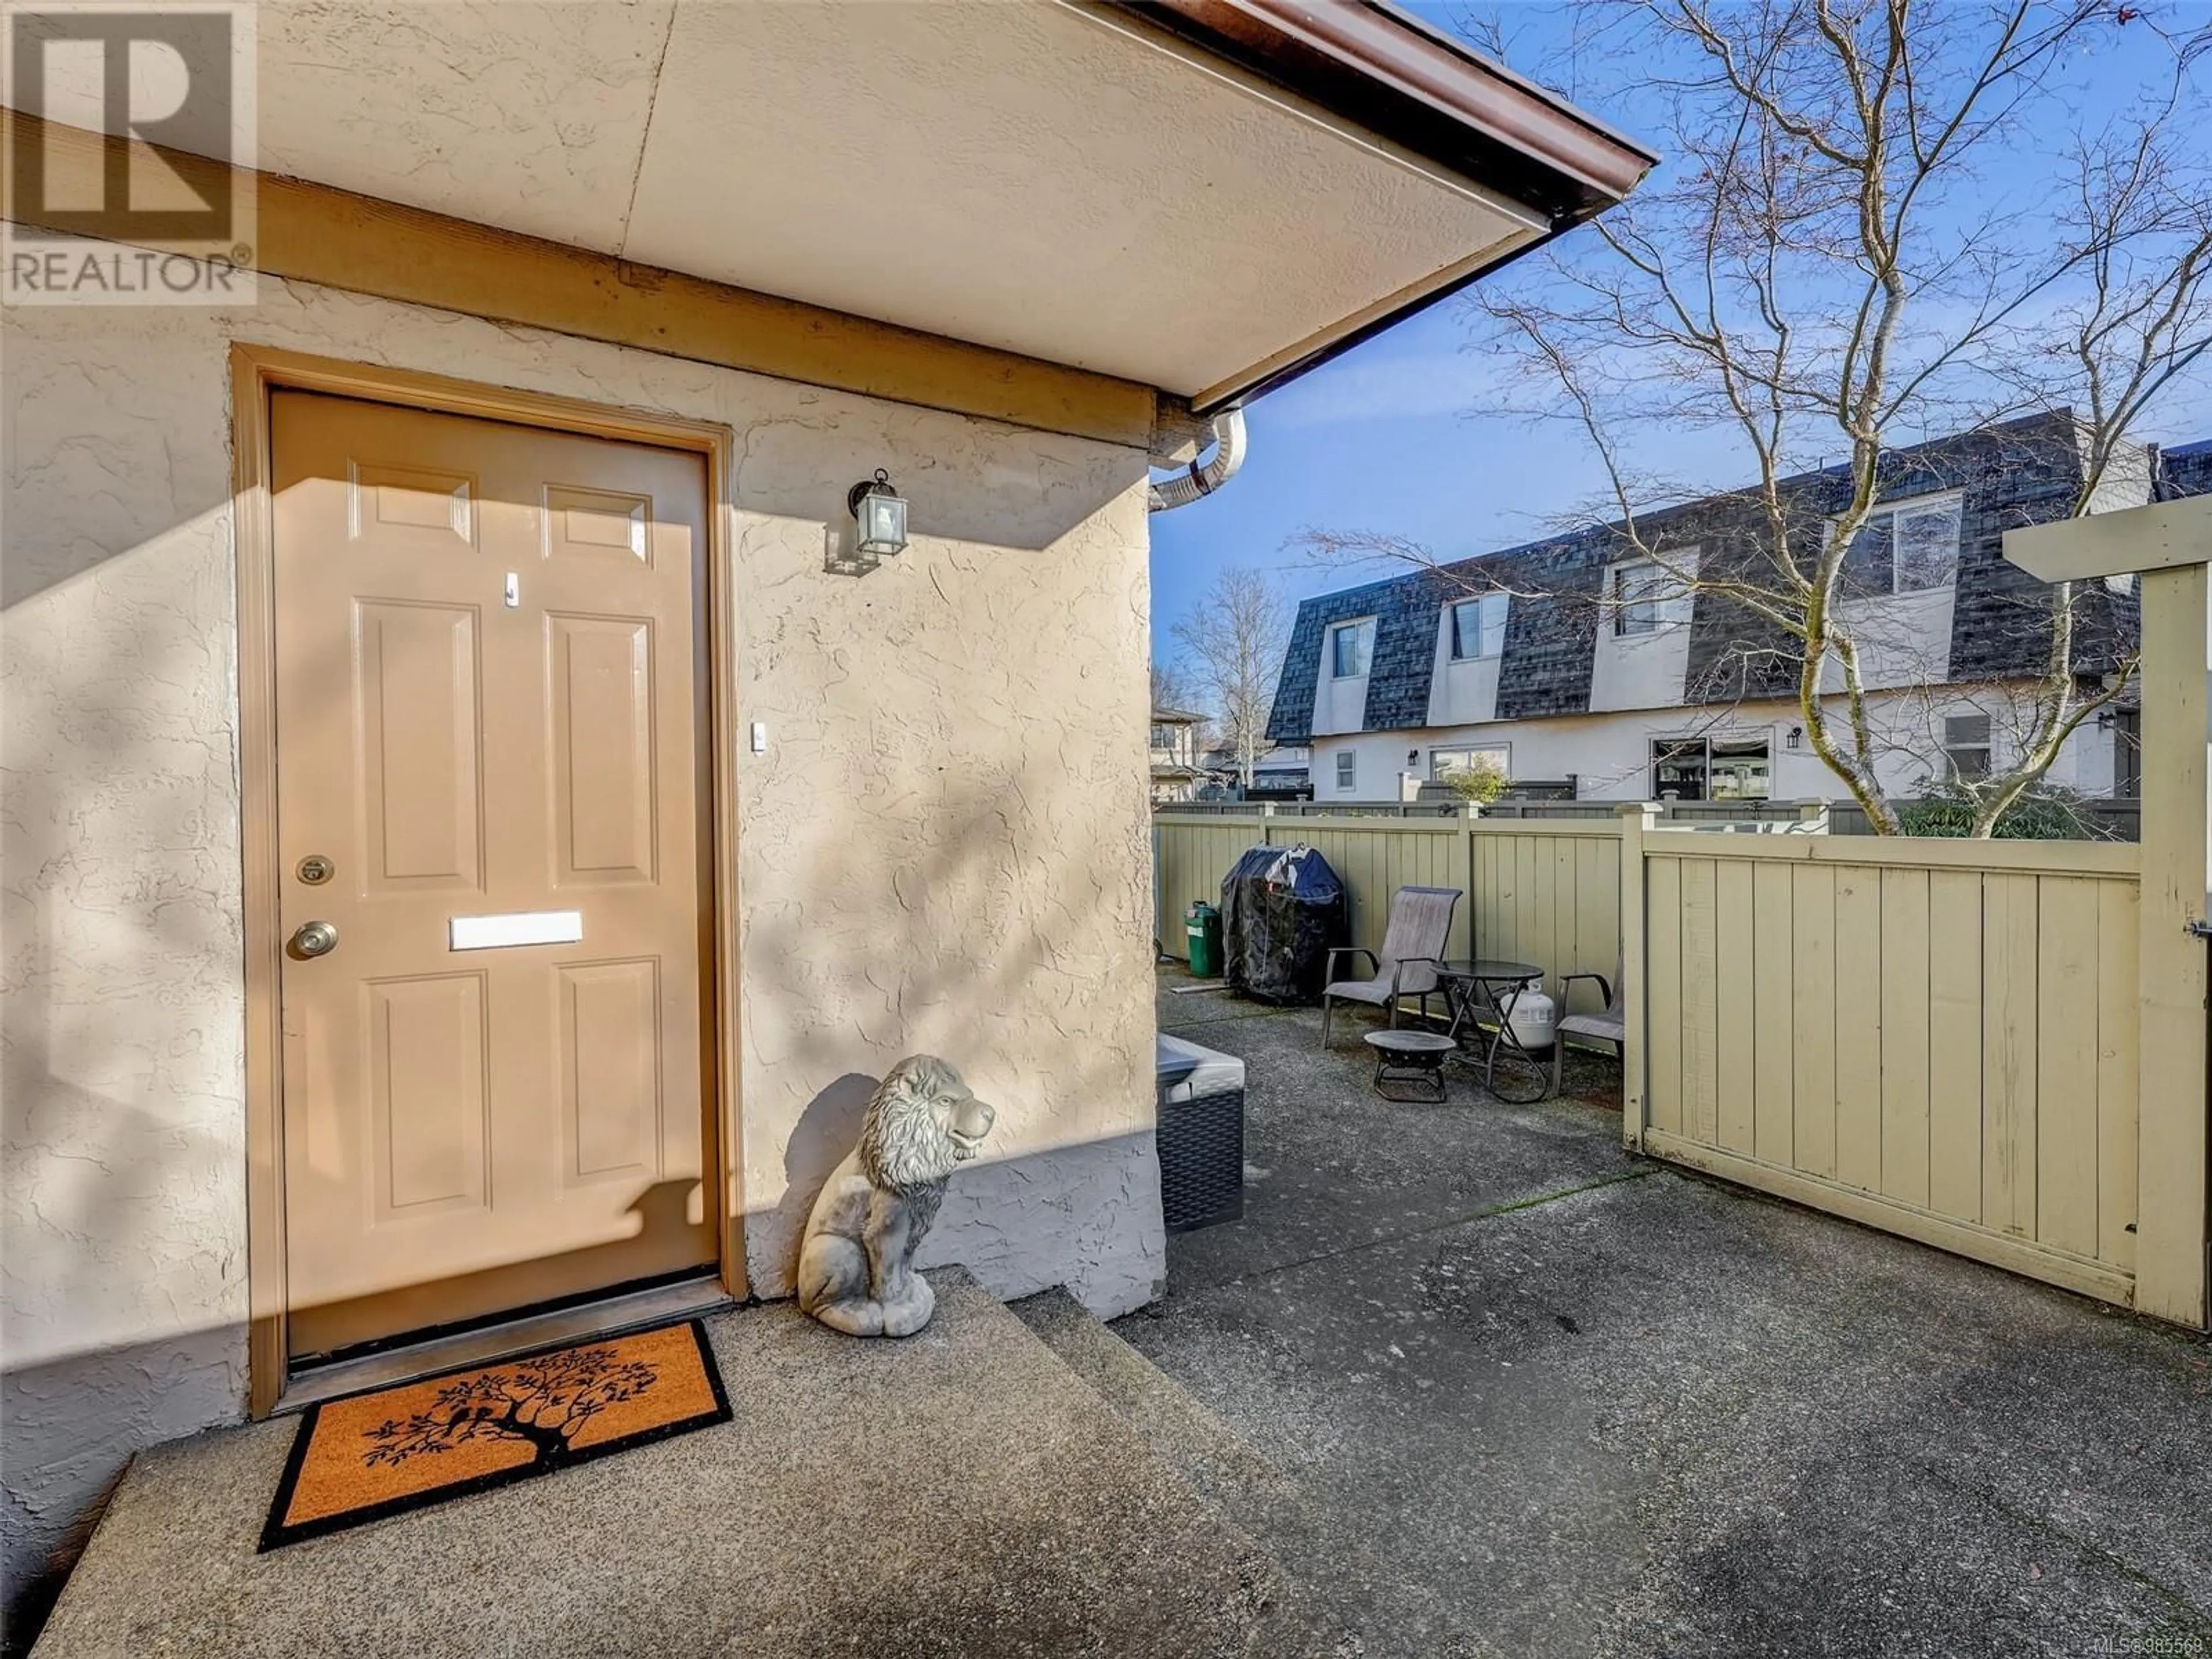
(1645, 597)
(1904, 547)
(1351, 647)
(1478, 627)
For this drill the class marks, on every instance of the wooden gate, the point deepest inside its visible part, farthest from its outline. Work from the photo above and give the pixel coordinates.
(1938, 1038)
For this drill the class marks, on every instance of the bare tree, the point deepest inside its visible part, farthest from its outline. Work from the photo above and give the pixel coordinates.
(1170, 690)
(1821, 268)
(1234, 643)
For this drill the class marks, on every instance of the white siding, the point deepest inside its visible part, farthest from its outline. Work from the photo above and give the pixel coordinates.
(1461, 693)
(1610, 753)
(1339, 705)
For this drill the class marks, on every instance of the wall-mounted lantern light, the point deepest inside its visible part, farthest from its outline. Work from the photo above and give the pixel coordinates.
(880, 513)
(1796, 737)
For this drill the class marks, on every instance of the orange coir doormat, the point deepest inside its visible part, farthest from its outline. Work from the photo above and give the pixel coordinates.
(393, 1450)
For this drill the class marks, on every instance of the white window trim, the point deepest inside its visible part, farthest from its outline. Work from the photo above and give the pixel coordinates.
(1503, 751)
(1705, 740)
(1671, 608)
(1892, 510)
(1347, 777)
(1987, 748)
(1335, 628)
(1451, 627)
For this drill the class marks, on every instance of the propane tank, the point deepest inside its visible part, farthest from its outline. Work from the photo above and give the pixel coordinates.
(1534, 1019)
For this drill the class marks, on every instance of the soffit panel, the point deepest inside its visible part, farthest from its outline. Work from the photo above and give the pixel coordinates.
(1035, 177)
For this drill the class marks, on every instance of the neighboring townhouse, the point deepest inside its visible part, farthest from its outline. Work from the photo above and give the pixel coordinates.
(1279, 772)
(1572, 661)
(1177, 767)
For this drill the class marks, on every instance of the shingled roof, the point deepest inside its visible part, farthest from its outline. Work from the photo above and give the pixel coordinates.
(2022, 472)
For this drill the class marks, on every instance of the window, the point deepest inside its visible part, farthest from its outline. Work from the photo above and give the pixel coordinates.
(1443, 763)
(1645, 598)
(1351, 645)
(1348, 771)
(1738, 770)
(1163, 737)
(1678, 768)
(1966, 745)
(1711, 768)
(1904, 547)
(1478, 627)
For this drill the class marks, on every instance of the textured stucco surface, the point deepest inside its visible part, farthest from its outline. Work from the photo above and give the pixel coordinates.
(944, 847)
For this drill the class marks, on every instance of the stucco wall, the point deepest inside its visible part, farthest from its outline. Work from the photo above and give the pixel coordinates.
(944, 847)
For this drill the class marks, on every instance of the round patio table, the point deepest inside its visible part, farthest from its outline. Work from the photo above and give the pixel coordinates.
(1481, 993)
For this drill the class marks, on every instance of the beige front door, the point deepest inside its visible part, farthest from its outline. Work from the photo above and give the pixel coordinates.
(490, 784)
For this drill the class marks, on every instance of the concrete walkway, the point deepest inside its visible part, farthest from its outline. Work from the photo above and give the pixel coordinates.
(1552, 1400)
(961, 1494)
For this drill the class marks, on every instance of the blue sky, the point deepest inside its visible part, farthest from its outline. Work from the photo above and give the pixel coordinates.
(1381, 438)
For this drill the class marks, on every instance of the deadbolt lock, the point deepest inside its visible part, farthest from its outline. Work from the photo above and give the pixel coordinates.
(315, 939)
(315, 869)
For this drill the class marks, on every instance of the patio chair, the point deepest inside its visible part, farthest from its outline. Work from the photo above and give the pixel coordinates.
(1611, 1026)
(1408, 963)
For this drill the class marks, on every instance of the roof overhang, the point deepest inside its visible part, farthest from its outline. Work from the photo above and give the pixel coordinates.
(1203, 197)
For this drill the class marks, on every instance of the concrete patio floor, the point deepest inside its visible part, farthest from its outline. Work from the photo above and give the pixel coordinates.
(1546, 1398)
(960, 1495)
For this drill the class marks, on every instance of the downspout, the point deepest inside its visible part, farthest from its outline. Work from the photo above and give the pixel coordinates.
(1185, 487)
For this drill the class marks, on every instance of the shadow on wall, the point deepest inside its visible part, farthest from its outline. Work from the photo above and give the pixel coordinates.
(1014, 964)
(100, 1190)
(123, 1247)
(76, 432)
(995, 1211)
(72, 1426)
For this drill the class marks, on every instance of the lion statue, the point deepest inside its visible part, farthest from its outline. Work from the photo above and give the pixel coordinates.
(856, 1263)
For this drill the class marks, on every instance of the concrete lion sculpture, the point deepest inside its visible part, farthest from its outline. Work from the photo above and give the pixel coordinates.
(856, 1264)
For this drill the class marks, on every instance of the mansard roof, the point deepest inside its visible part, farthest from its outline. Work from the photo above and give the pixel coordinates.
(2022, 472)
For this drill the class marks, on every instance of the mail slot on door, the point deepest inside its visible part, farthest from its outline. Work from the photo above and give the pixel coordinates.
(516, 927)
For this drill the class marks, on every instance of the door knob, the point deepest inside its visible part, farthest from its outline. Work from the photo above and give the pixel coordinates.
(315, 939)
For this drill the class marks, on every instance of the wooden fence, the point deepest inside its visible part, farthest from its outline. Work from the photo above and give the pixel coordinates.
(2119, 818)
(1547, 893)
(1937, 1038)
(1374, 857)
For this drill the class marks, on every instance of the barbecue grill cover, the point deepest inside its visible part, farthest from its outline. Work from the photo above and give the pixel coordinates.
(1283, 909)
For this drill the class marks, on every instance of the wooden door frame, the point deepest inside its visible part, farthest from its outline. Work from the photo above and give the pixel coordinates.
(257, 372)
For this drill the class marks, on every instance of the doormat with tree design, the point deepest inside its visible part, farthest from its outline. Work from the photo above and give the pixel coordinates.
(389, 1450)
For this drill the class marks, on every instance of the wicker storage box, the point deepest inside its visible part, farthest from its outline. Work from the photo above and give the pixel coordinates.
(1202, 1135)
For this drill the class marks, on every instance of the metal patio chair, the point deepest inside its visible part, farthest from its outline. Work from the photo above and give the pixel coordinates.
(1407, 965)
(1611, 1026)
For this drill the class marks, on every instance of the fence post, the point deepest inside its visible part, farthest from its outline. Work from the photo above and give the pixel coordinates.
(2170, 965)
(1635, 818)
(1812, 817)
(2167, 545)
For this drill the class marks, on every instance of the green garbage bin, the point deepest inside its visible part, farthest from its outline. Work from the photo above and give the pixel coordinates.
(1202, 923)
